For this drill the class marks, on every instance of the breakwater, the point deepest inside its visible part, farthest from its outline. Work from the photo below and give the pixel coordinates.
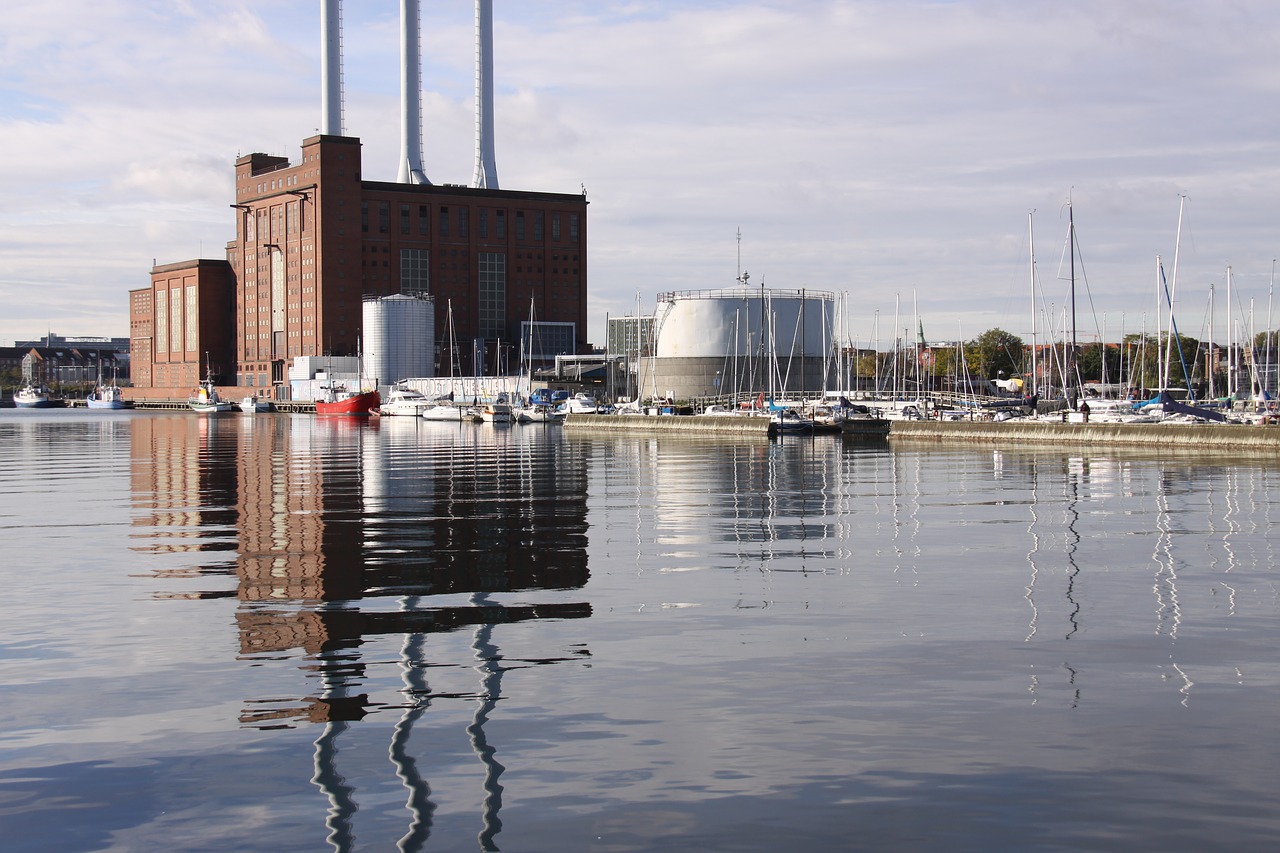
(1180, 437)
(729, 425)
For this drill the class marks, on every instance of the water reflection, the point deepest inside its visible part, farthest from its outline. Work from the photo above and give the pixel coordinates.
(333, 520)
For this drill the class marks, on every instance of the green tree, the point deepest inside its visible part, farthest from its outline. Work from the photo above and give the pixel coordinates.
(993, 352)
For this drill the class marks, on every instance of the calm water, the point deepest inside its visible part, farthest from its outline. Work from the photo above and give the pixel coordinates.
(281, 633)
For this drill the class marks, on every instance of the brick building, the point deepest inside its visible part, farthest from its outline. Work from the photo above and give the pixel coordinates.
(312, 238)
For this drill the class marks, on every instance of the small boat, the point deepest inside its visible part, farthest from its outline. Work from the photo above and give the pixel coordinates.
(404, 402)
(253, 404)
(789, 421)
(446, 411)
(539, 413)
(207, 401)
(495, 413)
(338, 399)
(106, 397)
(32, 397)
(581, 404)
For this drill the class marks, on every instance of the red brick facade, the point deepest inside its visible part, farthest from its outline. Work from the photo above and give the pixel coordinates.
(312, 239)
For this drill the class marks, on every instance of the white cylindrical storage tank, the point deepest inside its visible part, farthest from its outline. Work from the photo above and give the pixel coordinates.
(399, 338)
(731, 343)
(744, 322)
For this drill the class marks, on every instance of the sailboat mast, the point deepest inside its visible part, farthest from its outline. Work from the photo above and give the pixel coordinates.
(1173, 286)
(1031, 238)
(1071, 361)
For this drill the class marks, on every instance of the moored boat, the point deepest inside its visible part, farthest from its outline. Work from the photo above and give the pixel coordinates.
(539, 413)
(404, 402)
(338, 399)
(495, 413)
(446, 411)
(790, 421)
(32, 397)
(253, 404)
(106, 397)
(207, 400)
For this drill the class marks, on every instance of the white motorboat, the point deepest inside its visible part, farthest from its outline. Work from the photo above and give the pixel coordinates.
(495, 413)
(539, 413)
(404, 402)
(446, 411)
(253, 404)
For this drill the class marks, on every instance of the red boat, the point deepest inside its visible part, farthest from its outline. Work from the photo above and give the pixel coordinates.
(339, 400)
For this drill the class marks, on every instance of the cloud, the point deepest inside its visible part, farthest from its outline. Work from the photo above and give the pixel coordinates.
(878, 148)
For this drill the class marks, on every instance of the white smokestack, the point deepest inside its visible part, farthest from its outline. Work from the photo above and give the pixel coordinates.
(331, 67)
(486, 174)
(410, 96)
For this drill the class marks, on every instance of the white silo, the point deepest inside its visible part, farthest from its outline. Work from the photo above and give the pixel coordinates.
(739, 342)
(399, 338)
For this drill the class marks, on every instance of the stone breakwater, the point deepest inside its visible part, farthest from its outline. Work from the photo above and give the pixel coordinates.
(1180, 437)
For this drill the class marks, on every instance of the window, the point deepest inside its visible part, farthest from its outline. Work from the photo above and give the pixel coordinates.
(519, 225)
(415, 275)
(555, 226)
(538, 218)
(193, 328)
(500, 225)
(462, 222)
(493, 294)
(573, 227)
(484, 224)
(384, 217)
(364, 216)
(444, 221)
(162, 321)
(404, 219)
(424, 220)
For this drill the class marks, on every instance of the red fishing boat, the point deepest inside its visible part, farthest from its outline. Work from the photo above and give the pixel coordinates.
(340, 400)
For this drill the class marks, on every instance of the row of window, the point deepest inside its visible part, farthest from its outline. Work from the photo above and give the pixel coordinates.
(460, 222)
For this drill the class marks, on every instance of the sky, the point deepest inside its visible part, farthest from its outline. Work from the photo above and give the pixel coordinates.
(891, 152)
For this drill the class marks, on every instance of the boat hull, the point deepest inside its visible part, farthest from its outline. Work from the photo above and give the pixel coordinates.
(355, 405)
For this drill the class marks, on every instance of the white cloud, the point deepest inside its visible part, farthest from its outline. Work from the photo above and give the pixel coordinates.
(879, 148)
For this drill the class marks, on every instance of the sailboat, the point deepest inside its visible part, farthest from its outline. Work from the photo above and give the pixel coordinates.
(444, 408)
(536, 410)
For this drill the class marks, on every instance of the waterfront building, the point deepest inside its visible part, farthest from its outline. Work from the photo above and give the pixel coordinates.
(313, 239)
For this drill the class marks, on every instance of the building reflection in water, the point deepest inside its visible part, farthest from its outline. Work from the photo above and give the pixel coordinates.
(346, 531)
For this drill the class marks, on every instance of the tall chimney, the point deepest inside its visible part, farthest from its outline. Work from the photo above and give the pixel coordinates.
(410, 96)
(486, 174)
(331, 67)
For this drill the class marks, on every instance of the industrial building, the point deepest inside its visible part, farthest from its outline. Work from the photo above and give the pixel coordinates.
(314, 241)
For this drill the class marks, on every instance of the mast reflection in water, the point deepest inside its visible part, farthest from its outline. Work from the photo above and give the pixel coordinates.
(331, 526)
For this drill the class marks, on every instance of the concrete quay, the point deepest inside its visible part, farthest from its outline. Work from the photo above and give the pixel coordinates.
(1172, 437)
(724, 425)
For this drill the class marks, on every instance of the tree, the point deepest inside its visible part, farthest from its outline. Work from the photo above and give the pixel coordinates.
(993, 352)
